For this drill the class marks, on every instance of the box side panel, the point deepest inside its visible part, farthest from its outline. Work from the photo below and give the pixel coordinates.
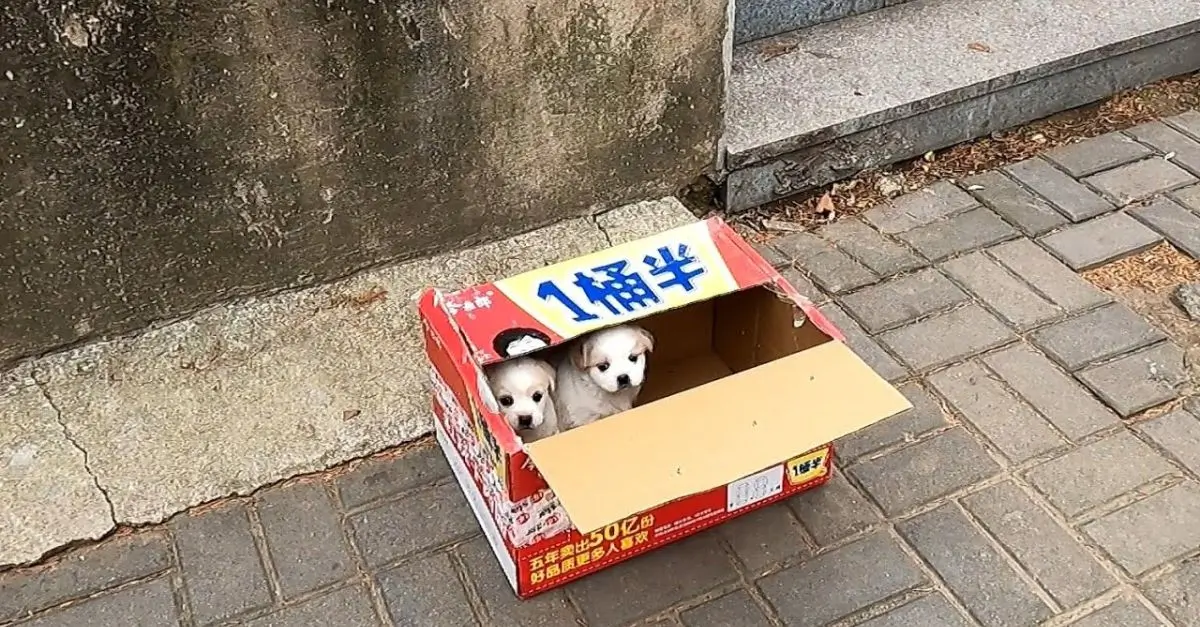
(621, 284)
(475, 501)
(570, 555)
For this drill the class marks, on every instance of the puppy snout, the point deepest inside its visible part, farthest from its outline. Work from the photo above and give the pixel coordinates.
(525, 421)
(623, 380)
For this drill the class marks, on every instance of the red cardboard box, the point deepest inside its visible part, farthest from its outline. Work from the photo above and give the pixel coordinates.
(747, 387)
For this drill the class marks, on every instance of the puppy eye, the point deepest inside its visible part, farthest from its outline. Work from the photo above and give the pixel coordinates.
(506, 401)
(602, 367)
(634, 358)
(537, 397)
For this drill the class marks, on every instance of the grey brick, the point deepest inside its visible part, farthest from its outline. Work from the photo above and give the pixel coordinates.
(967, 231)
(1048, 275)
(1030, 213)
(83, 572)
(932, 610)
(425, 592)
(903, 299)
(946, 338)
(304, 538)
(1140, 180)
(1140, 380)
(503, 607)
(1152, 531)
(1167, 140)
(834, 511)
(831, 269)
(345, 607)
(918, 474)
(1057, 562)
(147, 604)
(925, 416)
(1179, 434)
(1175, 593)
(1011, 298)
(675, 572)
(1189, 197)
(919, 208)
(1007, 421)
(771, 255)
(1123, 613)
(386, 475)
(1096, 335)
(1188, 122)
(882, 255)
(765, 536)
(863, 345)
(973, 569)
(1057, 396)
(425, 519)
(220, 563)
(841, 581)
(1072, 198)
(1180, 226)
(1097, 473)
(736, 608)
(796, 279)
(1100, 241)
(1098, 153)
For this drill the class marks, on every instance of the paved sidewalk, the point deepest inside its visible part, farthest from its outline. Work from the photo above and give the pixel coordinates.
(1049, 473)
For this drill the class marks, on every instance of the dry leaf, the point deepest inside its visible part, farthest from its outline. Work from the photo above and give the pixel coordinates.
(825, 204)
(929, 156)
(350, 414)
(978, 47)
(777, 49)
(974, 188)
(1169, 156)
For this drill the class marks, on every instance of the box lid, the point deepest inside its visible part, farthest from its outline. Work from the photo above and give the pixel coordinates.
(550, 305)
(708, 436)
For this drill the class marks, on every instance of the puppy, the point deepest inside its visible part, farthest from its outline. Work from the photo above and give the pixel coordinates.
(601, 375)
(524, 390)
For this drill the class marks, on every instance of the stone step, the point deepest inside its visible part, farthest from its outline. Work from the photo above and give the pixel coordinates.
(755, 19)
(820, 104)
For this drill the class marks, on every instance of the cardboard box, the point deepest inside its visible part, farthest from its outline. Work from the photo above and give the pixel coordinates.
(747, 387)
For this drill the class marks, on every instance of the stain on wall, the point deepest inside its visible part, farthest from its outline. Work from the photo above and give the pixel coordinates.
(162, 155)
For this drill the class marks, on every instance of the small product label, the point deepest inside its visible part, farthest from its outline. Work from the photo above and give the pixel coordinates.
(749, 490)
(807, 467)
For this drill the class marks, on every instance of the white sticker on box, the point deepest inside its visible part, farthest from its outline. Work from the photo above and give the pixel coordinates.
(749, 490)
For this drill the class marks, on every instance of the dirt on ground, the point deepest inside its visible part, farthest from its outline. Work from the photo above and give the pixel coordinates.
(1145, 283)
(1127, 109)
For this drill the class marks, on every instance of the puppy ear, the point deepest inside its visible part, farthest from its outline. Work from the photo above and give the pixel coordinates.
(547, 370)
(581, 354)
(645, 340)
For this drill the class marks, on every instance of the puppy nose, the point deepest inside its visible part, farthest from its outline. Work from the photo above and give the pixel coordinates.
(525, 421)
(622, 379)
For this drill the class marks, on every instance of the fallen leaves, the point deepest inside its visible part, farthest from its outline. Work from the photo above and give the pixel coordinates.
(975, 46)
(1156, 270)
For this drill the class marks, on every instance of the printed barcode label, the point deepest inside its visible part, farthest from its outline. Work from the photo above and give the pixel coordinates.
(749, 490)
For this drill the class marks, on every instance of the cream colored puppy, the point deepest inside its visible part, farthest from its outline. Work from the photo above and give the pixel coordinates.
(524, 390)
(601, 375)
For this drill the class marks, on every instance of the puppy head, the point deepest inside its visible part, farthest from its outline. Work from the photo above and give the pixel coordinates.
(522, 388)
(615, 358)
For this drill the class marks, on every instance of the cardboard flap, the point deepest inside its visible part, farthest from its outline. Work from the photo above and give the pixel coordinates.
(707, 436)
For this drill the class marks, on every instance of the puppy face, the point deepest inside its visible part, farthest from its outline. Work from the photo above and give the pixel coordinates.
(615, 358)
(522, 388)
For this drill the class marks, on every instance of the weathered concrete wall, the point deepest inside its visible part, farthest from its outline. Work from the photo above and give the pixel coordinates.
(156, 157)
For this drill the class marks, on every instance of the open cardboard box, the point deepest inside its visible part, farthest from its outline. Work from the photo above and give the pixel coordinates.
(746, 389)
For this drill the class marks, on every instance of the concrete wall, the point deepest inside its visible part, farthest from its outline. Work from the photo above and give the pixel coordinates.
(159, 156)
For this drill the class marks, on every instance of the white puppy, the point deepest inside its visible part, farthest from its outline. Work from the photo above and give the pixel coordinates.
(524, 389)
(601, 375)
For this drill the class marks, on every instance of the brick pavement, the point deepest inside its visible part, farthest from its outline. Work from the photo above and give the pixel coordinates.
(1029, 485)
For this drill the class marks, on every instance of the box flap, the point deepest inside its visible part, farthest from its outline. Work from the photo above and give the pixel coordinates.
(707, 436)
